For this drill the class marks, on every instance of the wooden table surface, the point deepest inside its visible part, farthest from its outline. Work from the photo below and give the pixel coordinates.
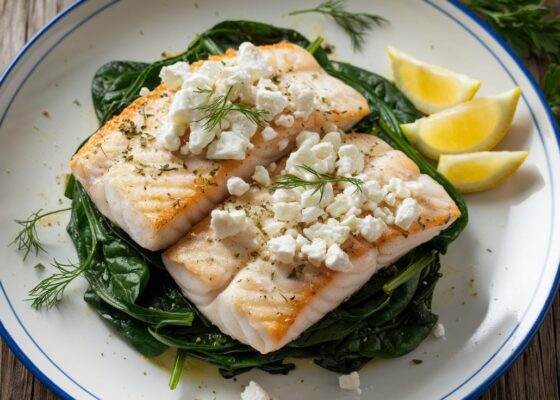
(535, 375)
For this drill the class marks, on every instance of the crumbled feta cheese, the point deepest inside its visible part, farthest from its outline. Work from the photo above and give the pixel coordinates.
(390, 199)
(373, 191)
(325, 152)
(271, 102)
(286, 195)
(200, 137)
(372, 228)
(335, 138)
(282, 248)
(144, 91)
(307, 138)
(237, 186)
(349, 382)
(303, 98)
(285, 120)
(287, 211)
(273, 227)
(268, 133)
(227, 223)
(304, 156)
(212, 70)
(333, 232)
(351, 160)
(238, 81)
(385, 214)
(341, 204)
(169, 136)
(315, 252)
(254, 392)
(173, 75)
(240, 123)
(249, 58)
(407, 213)
(439, 330)
(312, 197)
(351, 221)
(282, 144)
(337, 259)
(311, 214)
(261, 176)
(230, 146)
(399, 188)
(184, 104)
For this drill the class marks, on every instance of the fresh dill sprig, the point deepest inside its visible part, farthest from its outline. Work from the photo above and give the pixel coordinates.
(27, 239)
(217, 109)
(290, 181)
(551, 88)
(49, 291)
(528, 26)
(354, 24)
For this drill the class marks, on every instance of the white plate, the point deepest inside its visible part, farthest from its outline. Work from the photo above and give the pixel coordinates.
(499, 277)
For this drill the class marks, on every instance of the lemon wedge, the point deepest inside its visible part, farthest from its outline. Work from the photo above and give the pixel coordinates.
(475, 172)
(476, 125)
(429, 87)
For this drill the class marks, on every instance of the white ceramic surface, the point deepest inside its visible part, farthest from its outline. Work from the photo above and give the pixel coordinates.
(498, 276)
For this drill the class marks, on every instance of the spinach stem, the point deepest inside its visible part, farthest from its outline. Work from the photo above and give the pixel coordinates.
(315, 45)
(177, 369)
(409, 272)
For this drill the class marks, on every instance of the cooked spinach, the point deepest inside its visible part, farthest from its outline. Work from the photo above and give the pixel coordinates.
(388, 317)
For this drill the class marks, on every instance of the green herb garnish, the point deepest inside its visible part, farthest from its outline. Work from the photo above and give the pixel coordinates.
(27, 239)
(354, 24)
(49, 291)
(526, 25)
(551, 88)
(217, 109)
(291, 181)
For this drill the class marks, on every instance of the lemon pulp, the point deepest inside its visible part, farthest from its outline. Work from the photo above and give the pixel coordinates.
(479, 171)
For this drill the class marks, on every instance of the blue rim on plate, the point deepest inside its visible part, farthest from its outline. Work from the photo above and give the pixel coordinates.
(505, 365)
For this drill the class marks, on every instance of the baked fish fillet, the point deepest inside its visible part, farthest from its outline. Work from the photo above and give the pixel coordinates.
(265, 304)
(156, 195)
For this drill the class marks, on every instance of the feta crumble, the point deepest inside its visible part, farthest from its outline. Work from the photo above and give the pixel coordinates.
(285, 120)
(282, 144)
(227, 223)
(315, 252)
(439, 331)
(287, 211)
(268, 133)
(237, 186)
(172, 75)
(230, 146)
(350, 381)
(371, 228)
(337, 259)
(144, 91)
(170, 136)
(407, 213)
(254, 391)
(282, 248)
(261, 176)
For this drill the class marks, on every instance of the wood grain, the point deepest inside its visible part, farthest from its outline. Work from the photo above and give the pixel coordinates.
(535, 375)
